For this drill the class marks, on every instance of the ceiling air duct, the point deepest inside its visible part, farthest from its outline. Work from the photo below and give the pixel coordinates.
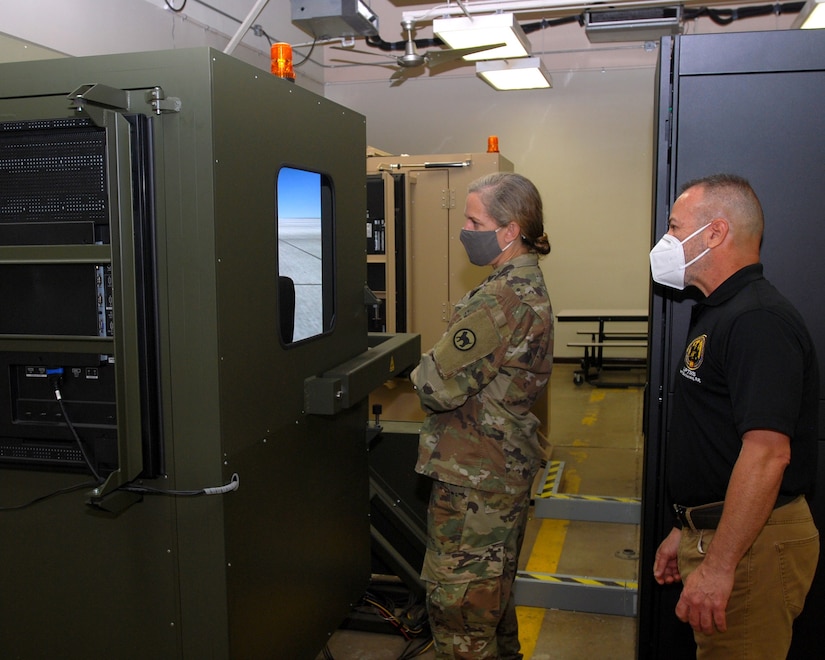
(330, 19)
(640, 24)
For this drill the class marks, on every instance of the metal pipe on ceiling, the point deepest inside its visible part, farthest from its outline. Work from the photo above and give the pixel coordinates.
(251, 17)
(522, 6)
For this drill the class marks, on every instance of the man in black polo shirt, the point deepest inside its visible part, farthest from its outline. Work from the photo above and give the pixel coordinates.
(743, 435)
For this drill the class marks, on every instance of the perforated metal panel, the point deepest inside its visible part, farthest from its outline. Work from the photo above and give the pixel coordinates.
(52, 171)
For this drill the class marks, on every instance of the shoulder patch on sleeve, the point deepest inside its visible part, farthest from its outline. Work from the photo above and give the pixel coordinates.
(469, 340)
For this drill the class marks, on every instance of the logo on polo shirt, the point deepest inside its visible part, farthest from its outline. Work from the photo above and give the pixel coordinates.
(695, 353)
(464, 339)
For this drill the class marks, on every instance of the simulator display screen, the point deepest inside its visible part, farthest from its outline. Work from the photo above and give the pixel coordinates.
(305, 253)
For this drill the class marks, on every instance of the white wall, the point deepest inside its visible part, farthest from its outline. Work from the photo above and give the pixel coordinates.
(100, 27)
(587, 143)
(588, 146)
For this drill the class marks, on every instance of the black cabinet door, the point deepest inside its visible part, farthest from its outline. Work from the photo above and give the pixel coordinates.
(750, 104)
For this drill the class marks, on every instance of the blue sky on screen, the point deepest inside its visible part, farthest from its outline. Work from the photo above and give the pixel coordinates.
(299, 193)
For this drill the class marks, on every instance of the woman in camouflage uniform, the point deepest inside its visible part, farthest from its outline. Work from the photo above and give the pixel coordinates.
(479, 442)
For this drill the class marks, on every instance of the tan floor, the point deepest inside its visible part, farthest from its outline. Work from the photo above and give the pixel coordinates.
(597, 432)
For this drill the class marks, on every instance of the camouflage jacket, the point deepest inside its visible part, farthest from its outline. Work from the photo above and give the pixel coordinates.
(480, 380)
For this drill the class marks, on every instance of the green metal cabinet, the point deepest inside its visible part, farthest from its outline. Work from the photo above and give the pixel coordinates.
(267, 570)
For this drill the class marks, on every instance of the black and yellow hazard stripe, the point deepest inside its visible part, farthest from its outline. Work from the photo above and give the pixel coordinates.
(552, 478)
(591, 498)
(631, 585)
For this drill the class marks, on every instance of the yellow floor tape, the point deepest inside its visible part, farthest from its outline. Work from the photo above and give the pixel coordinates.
(547, 548)
(543, 559)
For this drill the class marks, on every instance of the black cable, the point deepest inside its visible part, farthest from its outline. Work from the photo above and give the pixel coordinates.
(410, 622)
(219, 11)
(43, 498)
(546, 23)
(306, 57)
(259, 31)
(148, 490)
(54, 380)
(233, 484)
(143, 490)
(387, 46)
(728, 16)
(257, 28)
(415, 648)
(177, 10)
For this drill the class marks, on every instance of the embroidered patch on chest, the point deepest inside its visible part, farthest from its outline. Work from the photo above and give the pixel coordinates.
(695, 353)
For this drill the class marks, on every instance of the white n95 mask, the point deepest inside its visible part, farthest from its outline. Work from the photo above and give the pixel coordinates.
(667, 260)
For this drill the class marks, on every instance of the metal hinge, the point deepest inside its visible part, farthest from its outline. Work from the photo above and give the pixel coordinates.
(161, 103)
(96, 99)
(448, 199)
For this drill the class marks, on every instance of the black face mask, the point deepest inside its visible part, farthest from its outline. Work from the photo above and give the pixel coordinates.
(482, 246)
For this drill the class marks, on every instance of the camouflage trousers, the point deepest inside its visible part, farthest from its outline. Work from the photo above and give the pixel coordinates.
(469, 568)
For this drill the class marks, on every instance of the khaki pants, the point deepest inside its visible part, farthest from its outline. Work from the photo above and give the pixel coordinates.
(470, 565)
(769, 589)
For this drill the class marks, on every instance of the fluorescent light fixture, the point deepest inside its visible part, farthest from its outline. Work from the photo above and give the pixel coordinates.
(520, 73)
(812, 16)
(484, 30)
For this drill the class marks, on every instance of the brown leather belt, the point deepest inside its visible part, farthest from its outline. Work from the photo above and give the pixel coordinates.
(707, 516)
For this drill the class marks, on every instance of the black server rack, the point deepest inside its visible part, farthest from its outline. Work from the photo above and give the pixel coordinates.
(747, 103)
(55, 196)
